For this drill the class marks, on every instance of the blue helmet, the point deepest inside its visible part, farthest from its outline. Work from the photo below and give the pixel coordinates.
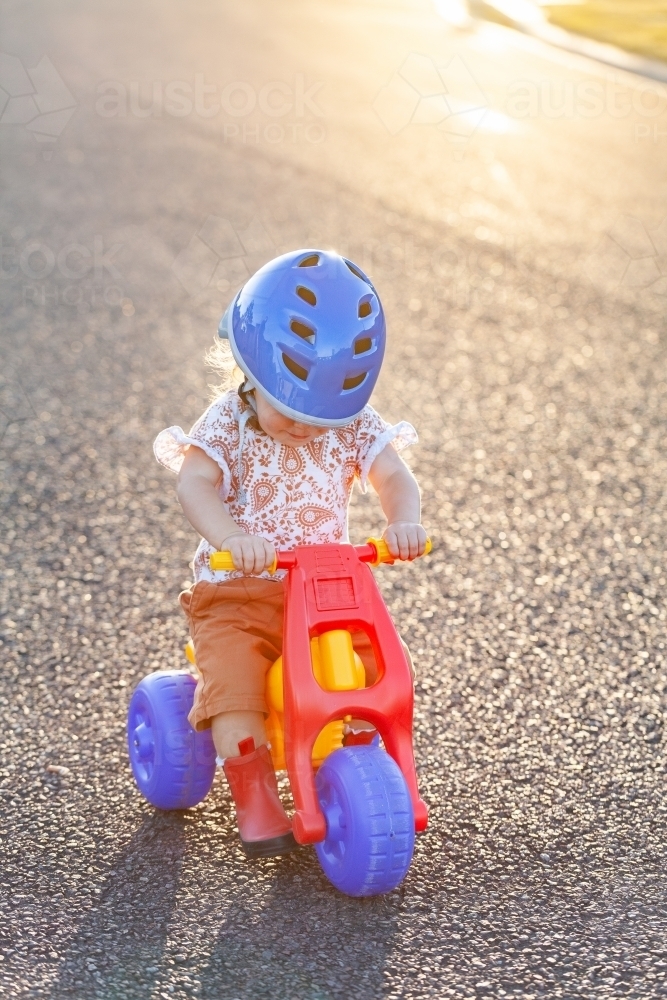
(308, 330)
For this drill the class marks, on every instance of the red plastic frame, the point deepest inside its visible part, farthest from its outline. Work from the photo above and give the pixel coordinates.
(330, 587)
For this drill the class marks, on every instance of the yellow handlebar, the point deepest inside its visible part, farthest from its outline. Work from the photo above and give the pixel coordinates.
(383, 555)
(224, 561)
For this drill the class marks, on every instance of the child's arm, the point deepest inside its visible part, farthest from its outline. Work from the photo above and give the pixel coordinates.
(401, 503)
(197, 492)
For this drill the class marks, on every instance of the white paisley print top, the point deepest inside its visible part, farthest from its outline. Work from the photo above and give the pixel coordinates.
(294, 496)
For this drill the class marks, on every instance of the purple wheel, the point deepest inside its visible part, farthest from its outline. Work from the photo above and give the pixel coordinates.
(172, 765)
(370, 821)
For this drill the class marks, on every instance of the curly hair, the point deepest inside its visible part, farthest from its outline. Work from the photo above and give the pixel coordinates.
(219, 359)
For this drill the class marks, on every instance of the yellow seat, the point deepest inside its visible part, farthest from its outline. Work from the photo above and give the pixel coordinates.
(336, 668)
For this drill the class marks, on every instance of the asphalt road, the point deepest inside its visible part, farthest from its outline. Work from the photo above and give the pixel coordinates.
(514, 235)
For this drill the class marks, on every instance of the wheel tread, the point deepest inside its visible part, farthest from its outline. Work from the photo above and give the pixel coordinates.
(389, 836)
(184, 776)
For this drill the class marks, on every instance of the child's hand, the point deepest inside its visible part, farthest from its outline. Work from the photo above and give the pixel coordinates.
(405, 540)
(251, 554)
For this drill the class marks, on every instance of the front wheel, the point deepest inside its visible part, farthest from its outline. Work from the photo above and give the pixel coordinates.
(370, 821)
(173, 765)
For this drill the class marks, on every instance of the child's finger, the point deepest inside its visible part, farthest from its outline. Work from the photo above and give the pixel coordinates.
(420, 541)
(235, 553)
(249, 559)
(403, 544)
(244, 564)
(417, 544)
(392, 544)
(258, 560)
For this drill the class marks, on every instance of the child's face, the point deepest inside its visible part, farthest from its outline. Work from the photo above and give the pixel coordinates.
(282, 429)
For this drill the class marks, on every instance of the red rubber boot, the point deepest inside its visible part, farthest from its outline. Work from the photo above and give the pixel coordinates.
(264, 828)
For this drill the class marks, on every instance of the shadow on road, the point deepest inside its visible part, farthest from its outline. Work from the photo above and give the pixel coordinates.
(287, 933)
(271, 928)
(121, 939)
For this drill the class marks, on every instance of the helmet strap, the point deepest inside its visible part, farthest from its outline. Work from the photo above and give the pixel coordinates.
(246, 392)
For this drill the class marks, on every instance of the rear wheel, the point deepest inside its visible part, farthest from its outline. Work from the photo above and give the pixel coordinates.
(370, 821)
(173, 765)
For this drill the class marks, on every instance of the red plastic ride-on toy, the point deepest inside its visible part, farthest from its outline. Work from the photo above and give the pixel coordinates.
(359, 805)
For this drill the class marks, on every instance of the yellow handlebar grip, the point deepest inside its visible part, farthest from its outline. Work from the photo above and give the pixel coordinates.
(382, 550)
(224, 561)
(221, 560)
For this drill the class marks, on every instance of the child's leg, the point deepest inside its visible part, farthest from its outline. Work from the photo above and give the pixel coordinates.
(263, 825)
(230, 728)
(236, 629)
(240, 740)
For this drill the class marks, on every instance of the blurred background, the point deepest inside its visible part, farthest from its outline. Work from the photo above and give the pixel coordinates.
(639, 26)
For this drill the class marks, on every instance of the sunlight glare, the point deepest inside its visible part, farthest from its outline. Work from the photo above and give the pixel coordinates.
(453, 11)
(520, 11)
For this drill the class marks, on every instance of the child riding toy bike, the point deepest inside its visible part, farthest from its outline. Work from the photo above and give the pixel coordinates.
(265, 476)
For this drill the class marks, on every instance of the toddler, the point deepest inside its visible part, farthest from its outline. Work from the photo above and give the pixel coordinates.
(272, 466)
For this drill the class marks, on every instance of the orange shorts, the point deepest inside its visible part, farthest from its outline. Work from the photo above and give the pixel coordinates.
(237, 632)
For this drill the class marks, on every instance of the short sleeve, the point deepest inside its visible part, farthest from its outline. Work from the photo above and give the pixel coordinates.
(216, 433)
(373, 436)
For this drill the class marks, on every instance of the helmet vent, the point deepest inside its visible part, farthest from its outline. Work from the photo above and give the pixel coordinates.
(306, 295)
(311, 261)
(362, 345)
(357, 272)
(365, 309)
(295, 368)
(353, 381)
(303, 331)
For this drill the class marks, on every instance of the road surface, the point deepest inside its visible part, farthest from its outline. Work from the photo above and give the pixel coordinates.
(510, 203)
